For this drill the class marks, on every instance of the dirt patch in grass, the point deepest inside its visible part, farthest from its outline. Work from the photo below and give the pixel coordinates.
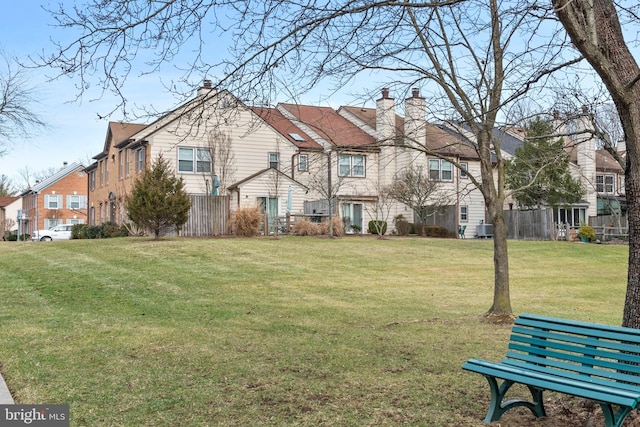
(562, 411)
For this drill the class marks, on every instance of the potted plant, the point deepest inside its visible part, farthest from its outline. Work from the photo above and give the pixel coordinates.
(586, 233)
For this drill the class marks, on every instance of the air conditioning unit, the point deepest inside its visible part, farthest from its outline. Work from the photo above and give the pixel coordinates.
(484, 231)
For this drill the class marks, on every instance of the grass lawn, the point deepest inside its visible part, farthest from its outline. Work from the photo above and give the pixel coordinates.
(295, 331)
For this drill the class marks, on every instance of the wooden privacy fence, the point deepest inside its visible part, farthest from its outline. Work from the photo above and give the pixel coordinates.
(209, 216)
(530, 225)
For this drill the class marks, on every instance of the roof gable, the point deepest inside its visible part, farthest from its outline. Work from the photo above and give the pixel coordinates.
(62, 173)
(264, 172)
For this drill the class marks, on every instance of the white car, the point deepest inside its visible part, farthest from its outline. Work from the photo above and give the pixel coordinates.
(59, 232)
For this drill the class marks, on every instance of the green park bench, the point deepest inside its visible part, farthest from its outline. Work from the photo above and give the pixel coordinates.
(591, 361)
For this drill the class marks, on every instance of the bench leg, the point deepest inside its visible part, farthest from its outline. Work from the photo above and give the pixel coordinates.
(497, 407)
(613, 418)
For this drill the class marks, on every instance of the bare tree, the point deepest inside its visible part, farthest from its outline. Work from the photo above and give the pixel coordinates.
(475, 58)
(595, 29)
(18, 119)
(222, 159)
(414, 188)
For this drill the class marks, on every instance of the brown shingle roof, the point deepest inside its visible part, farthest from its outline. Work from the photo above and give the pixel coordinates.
(121, 131)
(286, 128)
(7, 200)
(438, 139)
(331, 126)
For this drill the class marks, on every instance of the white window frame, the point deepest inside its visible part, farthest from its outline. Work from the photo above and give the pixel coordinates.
(464, 168)
(440, 170)
(464, 213)
(303, 163)
(274, 160)
(138, 159)
(605, 183)
(50, 198)
(199, 160)
(356, 164)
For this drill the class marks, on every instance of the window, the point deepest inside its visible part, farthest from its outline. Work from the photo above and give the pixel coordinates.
(139, 159)
(106, 171)
(194, 160)
(76, 202)
(120, 164)
(49, 223)
(126, 162)
(273, 160)
(464, 213)
(605, 184)
(303, 163)
(92, 180)
(463, 173)
(351, 165)
(440, 170)
(101, 165)
(53, 201)
(572, 216)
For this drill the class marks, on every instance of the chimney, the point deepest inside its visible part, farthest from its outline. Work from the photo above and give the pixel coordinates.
(64, 164)
(415, 119)
(206, 87)
(385, 118)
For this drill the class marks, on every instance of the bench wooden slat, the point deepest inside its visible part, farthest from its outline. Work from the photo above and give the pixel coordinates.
(630, 351)
(572, 375)
(583, 364)
(576, 327)
(605, 349)
(585, 371)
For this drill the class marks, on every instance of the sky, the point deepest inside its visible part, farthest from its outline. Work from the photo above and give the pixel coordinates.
(74, 131)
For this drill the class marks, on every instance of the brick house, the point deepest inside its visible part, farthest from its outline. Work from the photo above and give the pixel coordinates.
(58, 199)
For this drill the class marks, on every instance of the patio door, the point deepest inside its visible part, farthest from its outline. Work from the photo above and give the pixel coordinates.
(352, 217)
(270, 205)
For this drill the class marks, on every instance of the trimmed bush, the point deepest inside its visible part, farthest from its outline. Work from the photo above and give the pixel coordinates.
(378, 227)
(403, 227)
(10, 237)
(435, 231)
(246, 222)
(304, 227)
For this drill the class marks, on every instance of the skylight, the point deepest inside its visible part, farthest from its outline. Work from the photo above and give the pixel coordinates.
(296, 137)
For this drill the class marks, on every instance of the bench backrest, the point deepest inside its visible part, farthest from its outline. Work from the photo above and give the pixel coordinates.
(586, 351)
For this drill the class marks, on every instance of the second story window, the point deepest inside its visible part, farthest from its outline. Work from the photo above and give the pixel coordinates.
(440, 170)
(464, 169)
(75, 201)
(351, 165)
(92, 180)
(120, 164)
(139, 159)
(194, 160)
(303, 163)
(52, 201)
(273, 160)
(605, 184)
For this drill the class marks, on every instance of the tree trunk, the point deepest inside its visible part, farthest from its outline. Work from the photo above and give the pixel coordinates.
(501, 297)
(595, 30)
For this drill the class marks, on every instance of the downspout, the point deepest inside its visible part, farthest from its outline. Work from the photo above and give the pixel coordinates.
(458, 199)
(293, 168)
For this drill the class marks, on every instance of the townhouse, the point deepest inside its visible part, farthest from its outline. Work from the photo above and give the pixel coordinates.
(58, 199)
(302, 160)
